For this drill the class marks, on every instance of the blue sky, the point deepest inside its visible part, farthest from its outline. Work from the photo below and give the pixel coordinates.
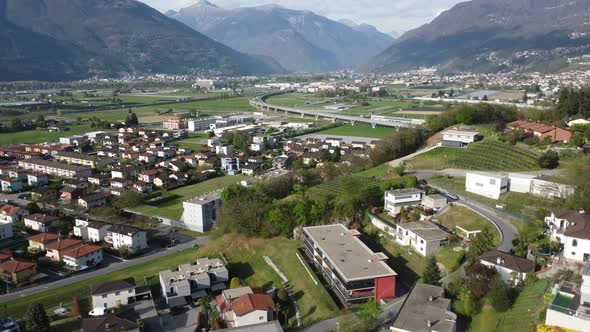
(386, 15)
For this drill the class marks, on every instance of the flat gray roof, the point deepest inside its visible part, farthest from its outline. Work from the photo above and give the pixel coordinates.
(348, 254)
(405, 191)
(273, 326)
(426, 304)
(204, 199)
(425, 229)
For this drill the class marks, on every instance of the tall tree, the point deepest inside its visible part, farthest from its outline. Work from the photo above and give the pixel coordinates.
(369, 313)
(36, 318)
(483, 242)
(431, 273)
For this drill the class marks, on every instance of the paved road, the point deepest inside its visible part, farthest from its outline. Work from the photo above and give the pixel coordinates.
(95, 273)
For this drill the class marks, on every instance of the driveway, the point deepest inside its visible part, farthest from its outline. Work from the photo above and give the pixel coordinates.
(115, 266)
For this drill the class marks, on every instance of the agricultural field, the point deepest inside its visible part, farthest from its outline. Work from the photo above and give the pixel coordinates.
(522, 317)
(487, 155)
(169, 205)
(294, 99)
(340, 185)
(39, 136)
(244, 256)
(195, 143)
(466, 219)
(358, 130)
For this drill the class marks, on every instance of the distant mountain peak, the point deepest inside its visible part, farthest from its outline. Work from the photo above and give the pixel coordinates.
(205, 3)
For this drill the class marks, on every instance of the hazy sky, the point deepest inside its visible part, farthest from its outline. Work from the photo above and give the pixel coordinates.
(386, 15)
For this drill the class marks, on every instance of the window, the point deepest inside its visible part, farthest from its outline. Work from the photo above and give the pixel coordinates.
(104, 296)
(492, 181)
(574, 243)
(573, 253)
(117, 293)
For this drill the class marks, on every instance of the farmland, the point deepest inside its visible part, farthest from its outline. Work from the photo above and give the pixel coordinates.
(487, 155)
(342, 184)
(39, 136)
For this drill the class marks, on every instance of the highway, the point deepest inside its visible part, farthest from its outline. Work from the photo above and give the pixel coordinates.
(101, 271)
(394, 122)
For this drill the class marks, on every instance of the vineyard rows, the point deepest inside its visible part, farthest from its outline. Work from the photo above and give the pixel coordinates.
(496, 156)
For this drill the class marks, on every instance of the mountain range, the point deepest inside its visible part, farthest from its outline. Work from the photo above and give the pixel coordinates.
(494, 35)
(300, 41)
(74, 39)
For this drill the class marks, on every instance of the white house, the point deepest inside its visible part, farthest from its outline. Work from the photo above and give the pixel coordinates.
(570, 305)
(40, 222)
(200, 213)
(423, 236)
(486, 184)
(113, 294)
(572, 229)
(192, 280)
(213, 142)
(82, 257)
(459, 138)
(512, 269)
(122, 235)
(91, 231)
(11, 213)
(250, 309)
(434, 202)
(396, 199)
(225, 150)
(5, 230)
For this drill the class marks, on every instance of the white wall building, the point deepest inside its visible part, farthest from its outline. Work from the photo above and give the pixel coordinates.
(122, 235)
(83, 257)
(570, 306)
(538, 186)
(459, 138)
(396, 199)
(112, 294)
(512, 269)
(486, 184)
(200, 213)
(572, 229)
(91, 231)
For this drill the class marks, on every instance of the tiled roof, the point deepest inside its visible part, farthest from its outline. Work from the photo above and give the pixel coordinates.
(44, 237)
(82, 251)
(247, 303)
(113, 286)
(15, 266)
(42, 218)
(513, 263)
(63, 244)
(9, 210)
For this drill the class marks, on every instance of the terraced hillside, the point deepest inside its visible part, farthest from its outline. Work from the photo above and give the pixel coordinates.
(342, 184)
(491, 155)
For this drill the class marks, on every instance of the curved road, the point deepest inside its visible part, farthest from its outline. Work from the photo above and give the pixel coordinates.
(108, 269)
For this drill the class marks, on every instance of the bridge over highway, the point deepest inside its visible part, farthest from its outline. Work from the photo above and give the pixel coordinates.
(383, 121)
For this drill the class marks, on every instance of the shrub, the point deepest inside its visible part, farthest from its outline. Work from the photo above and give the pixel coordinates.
(235, 283)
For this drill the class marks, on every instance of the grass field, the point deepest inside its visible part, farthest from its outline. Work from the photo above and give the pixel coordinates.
(487, 155)
(383, 171)
(293, 99)
(466, 219)
(169, 205)
(359, 131)
(522, 317)
(194, 143)
(244, 261)
(39, 136)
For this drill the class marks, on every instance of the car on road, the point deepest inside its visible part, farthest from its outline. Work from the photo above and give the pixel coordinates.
(453, 196)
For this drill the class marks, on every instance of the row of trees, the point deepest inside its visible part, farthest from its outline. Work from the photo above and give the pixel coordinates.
(471, 114)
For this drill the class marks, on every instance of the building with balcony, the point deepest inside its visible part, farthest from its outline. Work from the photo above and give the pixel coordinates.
(200, 213)
(395, 200)
(570, 306)
(459, 138)
(353, 271)
(132, 238)
(572, 229)
(422, 236)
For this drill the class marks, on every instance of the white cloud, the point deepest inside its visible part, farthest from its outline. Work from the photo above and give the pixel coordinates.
(387, 15)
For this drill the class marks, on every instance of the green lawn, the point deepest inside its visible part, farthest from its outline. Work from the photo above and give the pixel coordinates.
(169, 205)
(359, 130)
(194, 143)
(466, 219)
(245, 260)
(293, 99)
(39, 136)
(487, 155)
(342, 184)
(522, 317)
(380, 172)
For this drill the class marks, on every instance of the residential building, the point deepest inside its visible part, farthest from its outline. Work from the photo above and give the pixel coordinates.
(6, 230)
(397, 199)
(36, 179)
(539, 186)
(149, 176)
(40, 241)
(56, 168)
(119, 183)
(249, 309)
(99, 180)
(112, 294)
(423, 236)
(543, 131)
(82, 257)
(10, 185)
(459, 138)
(486, 184)
(17, 272)
(82, 159)
(230, 164)
(512, 269)
(92, 201)
(11, 213)
(125, 320)
(434, 202)
(5, 255)
(225, 150)
(175, 124)
(228, 295)
(426, 309)
(40, 222)
(572, 229)
(44, 194)
(56, 249)
(200, 124)
(91, 231)
(351, 269)
(272, 326)
(70, 193)
(200, 213)
(191, 280)
(134, 239)
(570, 306)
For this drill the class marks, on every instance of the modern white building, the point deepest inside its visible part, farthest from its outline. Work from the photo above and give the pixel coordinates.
(225, 150)
(538, 186)
(572, 229)
(486, 184)
(395, 200)
(133, 238)
(570, 305)
(512, 269)
(83, 257)
(200, 124)
(200, 213)
(192, 280)
(422, 236)
(459, 138)
(115, 293)
(434, 202)
(91, 231)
